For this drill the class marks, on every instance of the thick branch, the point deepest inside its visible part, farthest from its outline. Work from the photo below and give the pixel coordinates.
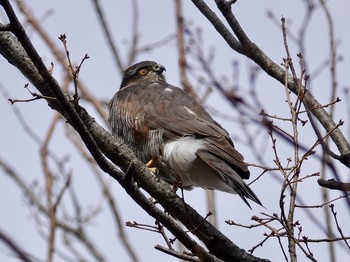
(333, 184)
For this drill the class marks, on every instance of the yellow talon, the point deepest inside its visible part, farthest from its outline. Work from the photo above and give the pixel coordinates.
(151, 167)
(150, 163)
(153, 170)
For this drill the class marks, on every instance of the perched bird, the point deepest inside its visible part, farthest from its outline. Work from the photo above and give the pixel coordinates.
(167, 128)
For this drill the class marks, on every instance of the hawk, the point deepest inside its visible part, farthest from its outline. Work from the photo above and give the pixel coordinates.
(169, 130)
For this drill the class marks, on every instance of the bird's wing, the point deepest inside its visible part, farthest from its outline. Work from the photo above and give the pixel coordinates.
(177, 113)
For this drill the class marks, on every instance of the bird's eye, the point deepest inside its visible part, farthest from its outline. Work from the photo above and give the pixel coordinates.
(143, 71)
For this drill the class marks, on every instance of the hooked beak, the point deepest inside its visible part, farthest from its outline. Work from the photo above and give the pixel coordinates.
(158, 68)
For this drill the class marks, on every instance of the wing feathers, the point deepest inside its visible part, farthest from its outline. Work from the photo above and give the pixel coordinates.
(229, 176)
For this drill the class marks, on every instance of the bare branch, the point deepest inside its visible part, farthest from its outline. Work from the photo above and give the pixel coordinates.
(333, 184)
(331, 206)
(112, 45)
(22, 255)
(177, 254)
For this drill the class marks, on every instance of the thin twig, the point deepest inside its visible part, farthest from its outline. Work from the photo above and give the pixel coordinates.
(177, 254)
(331, 206)
(107, 32)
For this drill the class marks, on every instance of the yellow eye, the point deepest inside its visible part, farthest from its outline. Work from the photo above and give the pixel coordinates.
(143, 71)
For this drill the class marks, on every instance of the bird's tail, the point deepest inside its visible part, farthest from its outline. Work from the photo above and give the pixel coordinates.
(244, 191)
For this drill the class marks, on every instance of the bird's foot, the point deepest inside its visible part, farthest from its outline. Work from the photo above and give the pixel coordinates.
(150, 166)
(154, 170)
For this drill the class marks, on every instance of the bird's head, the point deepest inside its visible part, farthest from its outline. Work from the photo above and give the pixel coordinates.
(145, 72)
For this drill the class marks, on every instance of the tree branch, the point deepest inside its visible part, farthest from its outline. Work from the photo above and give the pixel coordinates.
(333, 184)
(22, 255)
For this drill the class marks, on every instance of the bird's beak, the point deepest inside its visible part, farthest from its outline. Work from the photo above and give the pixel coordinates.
(158, 68)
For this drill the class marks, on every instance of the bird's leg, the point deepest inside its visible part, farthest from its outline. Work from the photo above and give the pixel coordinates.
(176, 186)
(182, 192)
(150, 166)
